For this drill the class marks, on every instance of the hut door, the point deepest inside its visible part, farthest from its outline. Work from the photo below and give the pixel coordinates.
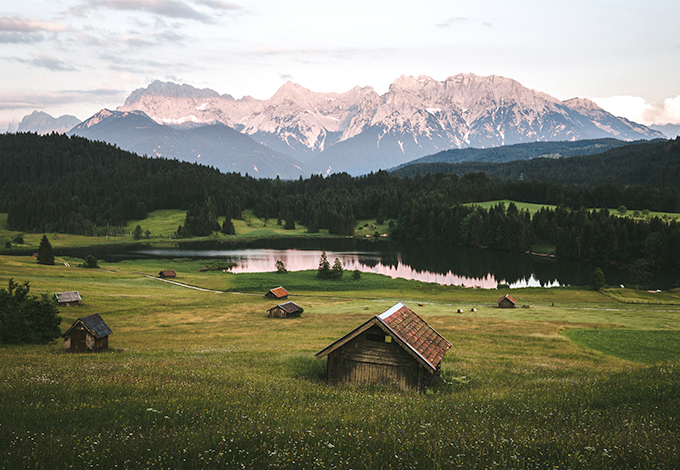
(78, 340)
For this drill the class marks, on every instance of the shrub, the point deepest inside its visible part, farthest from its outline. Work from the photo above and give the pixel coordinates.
(26, 318)
(280, 267)
(597, 279)
(91, 262)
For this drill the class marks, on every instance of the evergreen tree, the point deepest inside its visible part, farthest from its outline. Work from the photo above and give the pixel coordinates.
(228, 227)
(45, 255)
(336, 270)
(324, 270)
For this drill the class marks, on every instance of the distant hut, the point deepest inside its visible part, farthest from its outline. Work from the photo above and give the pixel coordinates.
(87, 334)
(67, 299)
(507, 302)
(287, 310)
(166, 273)
(278, 293)
(395, 348)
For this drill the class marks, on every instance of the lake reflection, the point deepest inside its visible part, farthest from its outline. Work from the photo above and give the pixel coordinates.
(249, 260)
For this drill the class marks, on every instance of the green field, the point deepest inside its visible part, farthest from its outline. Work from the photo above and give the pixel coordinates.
(203, 379)
(533, 208)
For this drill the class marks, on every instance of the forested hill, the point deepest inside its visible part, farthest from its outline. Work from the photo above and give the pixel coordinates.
(523, 151)
(653, 164)
(57, 183)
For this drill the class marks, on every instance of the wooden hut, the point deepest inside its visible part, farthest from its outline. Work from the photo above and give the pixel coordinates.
(87, 334)
(278, 293)
(167, 273)
(287, 310)
(67, 299)
(395, 348)
(507, 302)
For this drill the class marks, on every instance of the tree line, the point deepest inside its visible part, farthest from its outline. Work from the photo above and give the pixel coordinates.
(57, 183)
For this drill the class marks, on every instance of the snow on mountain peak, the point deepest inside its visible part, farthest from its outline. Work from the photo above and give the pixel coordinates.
(418, 115)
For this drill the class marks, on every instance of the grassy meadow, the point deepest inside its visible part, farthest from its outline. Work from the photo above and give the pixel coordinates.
(197, 376)
(533, 208)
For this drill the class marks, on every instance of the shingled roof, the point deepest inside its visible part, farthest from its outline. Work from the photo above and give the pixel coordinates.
(288, 307)
(95, 325)
(507, 296)
(418, 338)
(63, 297)
(279, 292)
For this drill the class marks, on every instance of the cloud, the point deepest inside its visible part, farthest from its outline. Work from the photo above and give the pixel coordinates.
(167, 8)
(219, 5)
(48, 62)
(15, 30)
(51, 63)
(57, 98)
(12, 37)
(637, 109)
(29, 25)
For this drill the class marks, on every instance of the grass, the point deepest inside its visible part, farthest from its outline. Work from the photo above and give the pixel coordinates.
(650, 346)
(533, 208)
(161, 223)
(198, 379)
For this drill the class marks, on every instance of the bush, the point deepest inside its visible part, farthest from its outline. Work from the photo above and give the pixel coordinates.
(91, 262)
(597, 279)
(27, 319)
(280, 267)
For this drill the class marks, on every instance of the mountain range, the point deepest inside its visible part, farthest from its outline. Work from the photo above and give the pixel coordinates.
(213, 145)
(357, 131)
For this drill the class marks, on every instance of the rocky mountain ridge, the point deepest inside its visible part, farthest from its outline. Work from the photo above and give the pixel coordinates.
(214, 145)
(43, 123)
(360, 131)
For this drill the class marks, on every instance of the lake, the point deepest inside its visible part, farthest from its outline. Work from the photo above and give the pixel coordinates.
(442, 264)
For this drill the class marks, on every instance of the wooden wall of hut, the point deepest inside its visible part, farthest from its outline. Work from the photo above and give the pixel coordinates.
(370, 359)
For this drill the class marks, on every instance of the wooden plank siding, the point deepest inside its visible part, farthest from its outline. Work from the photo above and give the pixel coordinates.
(367, 361)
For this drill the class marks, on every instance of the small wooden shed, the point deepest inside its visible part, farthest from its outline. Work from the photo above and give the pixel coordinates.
(67, 299)
(506, 302)
(395, 348)
(278, 293)
(287, 310)
(167, 273)
(89, 333)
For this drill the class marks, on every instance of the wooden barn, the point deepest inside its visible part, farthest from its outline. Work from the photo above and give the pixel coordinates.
(278, 293)
(87, 334)
(395, 348)
(166, 273)
(507, 302)
(67, 299)
(287, 310)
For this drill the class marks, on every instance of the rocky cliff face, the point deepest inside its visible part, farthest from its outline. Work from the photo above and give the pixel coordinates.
(359, 130)
(42, 123)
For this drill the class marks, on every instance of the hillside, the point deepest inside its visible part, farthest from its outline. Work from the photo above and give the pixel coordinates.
(525, 151)
(651, 164)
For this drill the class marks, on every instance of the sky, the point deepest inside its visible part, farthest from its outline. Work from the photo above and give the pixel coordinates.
(79, 56)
